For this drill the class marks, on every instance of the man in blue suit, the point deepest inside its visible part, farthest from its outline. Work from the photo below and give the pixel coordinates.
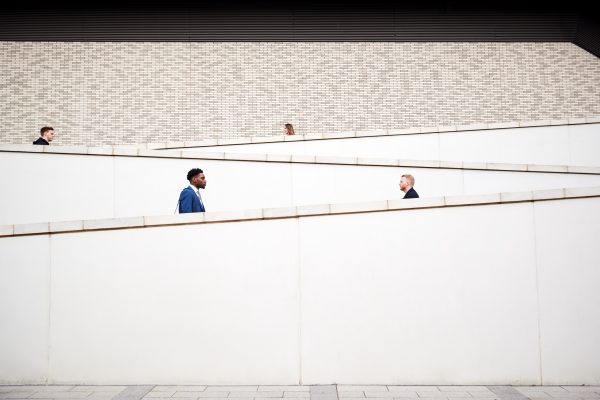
(189, 199)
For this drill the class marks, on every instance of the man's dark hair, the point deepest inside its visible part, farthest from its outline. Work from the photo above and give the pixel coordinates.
(45, 129)
(193, 172)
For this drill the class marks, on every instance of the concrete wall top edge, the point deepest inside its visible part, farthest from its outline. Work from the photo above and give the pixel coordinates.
(375, 132)
(295, 212)
(289, 158)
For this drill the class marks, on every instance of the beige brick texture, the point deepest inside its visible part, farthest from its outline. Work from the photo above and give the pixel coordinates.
(122, 93)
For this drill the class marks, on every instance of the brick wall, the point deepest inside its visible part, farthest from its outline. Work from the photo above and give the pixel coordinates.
(115, 93)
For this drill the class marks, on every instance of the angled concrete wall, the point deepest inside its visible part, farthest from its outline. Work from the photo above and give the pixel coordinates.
(475, 294)
(555, 145)
(55, 187)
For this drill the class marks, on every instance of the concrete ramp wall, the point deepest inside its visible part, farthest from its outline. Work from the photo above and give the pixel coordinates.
(48, 187)
(459, 291)
(559, 144)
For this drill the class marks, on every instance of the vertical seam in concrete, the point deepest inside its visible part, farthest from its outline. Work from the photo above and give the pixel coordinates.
(537, 291)
(114, 185)
(299, 275)
(570, 144)
(49, 318)
(291, 169)
(439, 148)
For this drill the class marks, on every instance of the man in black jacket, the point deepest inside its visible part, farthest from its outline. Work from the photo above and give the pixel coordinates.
(406, 185)
(46, 136)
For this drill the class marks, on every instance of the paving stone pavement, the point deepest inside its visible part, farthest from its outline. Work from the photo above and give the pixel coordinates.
(297, 392)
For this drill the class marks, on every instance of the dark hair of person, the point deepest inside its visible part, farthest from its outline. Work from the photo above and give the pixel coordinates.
(291, 128)
(46, 129)
(193, 172)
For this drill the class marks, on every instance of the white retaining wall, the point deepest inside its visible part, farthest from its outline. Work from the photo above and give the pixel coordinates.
(486, 294)
(562, 145)
(43, 187)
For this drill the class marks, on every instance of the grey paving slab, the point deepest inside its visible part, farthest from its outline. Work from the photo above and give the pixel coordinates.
(192, 388)
(161, 394)
(9, 388)
(582, 389)
(324, 392)
(463, 389)
(134, 392)
(52, 394)
(53, 388)
(256, 394)
(324, 389)
(378, 394)
(432, 398)
(211, 398)
(404, 393)
(291, 388)
(240, 397)
(182, 398)
(433, 394)
(484, 395)
(244, 388)
(541, 389)
(263, 394)
(507, 392)
(102, 396)
(161, 398)
(365, 388)
(298, 394)
(165, 388)
(98, 388)
(195, 395)
(357, 394)
(412, 388)
(16, 394)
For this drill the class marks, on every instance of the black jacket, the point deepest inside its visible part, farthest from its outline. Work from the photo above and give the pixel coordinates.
(411, 194)
(41, 140)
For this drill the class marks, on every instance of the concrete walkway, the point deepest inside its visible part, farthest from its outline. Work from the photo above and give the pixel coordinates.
(316, 392)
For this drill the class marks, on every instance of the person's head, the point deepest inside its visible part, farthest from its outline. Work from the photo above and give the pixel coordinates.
(197, 178)
(289, 129)
(407, 182)
(47, 133)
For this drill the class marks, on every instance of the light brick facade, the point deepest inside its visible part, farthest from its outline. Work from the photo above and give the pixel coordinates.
(117, 93)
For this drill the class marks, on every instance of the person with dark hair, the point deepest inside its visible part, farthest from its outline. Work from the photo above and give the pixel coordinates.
(46, 136)
(289, 129)
(190, 200)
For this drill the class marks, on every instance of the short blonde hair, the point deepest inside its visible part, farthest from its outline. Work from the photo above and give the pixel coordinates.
(410, 179)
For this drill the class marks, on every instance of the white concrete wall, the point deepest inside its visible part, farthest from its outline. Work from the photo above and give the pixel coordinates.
(556, 145)
(494, 294)
(55, 187)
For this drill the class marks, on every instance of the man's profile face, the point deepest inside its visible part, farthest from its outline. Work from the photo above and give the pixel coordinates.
(199, 181)
(403, 184)
(49, 135)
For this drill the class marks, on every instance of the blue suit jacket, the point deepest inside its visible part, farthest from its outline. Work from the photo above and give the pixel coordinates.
(189, 202)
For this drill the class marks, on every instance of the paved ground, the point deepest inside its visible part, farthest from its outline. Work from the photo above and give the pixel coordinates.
(320, 392)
